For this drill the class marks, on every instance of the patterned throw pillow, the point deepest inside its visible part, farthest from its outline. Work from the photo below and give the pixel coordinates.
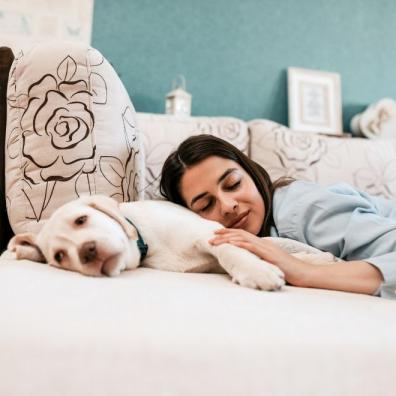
(369, 165)
(71, 131)
(162, 133)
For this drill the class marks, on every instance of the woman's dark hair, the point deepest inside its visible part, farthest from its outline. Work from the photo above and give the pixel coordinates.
(197, 148)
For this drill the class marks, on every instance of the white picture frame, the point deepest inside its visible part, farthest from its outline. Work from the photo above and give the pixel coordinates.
(314, 101)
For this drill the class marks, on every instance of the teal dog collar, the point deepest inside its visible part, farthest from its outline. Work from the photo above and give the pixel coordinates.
(142, 246)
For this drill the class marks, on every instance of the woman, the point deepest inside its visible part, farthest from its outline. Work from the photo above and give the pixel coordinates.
(216, 180)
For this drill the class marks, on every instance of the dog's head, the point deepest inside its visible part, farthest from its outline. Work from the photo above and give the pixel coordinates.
(89, 235)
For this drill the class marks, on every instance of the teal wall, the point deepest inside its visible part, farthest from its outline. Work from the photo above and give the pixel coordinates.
(234, 53)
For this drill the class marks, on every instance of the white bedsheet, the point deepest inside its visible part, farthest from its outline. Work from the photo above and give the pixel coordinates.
(153, 333)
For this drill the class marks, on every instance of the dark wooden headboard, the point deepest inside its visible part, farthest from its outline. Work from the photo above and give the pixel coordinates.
(6, 59)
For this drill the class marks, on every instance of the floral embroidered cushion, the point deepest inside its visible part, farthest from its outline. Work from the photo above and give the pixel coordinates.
(162, 133)
(366, 164)
(71, 131)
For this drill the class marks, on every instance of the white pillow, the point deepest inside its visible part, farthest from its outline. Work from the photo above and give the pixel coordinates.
(71, 131)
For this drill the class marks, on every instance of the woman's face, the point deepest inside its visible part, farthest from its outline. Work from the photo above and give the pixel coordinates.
(220, 189)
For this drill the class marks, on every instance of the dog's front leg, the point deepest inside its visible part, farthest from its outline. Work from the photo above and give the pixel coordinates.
(244, 267)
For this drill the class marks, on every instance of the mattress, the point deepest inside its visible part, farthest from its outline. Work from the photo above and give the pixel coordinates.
(150, 333)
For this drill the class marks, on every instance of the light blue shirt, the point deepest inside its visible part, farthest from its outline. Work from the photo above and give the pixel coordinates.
(342, 220)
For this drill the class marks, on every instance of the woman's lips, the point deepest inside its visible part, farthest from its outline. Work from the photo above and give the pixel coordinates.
(240, 221)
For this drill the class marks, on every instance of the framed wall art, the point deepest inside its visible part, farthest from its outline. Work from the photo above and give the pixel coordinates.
(25, 22)
(314, 101)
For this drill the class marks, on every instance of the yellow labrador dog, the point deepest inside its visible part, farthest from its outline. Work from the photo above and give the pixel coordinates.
(96, 236)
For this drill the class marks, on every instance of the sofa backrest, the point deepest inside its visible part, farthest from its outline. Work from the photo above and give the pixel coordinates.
(367, 164)
(370, 165)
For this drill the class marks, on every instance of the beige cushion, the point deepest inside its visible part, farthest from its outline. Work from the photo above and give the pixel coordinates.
(368, 165)
(71, 130)
(161, 134)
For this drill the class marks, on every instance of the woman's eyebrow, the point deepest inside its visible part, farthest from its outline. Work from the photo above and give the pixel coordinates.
(220, 179)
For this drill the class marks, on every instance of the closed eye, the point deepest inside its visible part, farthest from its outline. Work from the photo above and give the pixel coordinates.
(206, 207)
(233, 186)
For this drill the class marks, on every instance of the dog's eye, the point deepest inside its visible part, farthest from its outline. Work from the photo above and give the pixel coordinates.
(81, 220)
(59, 256)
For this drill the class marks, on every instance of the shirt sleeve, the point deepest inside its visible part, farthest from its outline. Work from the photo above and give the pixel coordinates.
(350, 224)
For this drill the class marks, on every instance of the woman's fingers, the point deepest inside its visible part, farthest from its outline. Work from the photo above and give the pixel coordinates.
(236, 237)
(264, 249)
(224, 232)
(225, 239)
(247, 246)
(239, 242)
(226, 235)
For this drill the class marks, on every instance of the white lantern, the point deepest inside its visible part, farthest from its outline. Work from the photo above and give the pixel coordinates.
(178, 101)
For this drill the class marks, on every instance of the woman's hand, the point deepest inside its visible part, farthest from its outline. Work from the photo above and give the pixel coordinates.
(356, 276)
(293, 268)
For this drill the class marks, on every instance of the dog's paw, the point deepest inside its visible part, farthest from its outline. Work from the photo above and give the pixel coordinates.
(262, 276)
(113, 267)
(113, 272)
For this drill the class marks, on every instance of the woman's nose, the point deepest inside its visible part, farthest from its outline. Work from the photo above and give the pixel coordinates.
(228, 205)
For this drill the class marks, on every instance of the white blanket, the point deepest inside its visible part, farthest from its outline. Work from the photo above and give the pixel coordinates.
(150, 333)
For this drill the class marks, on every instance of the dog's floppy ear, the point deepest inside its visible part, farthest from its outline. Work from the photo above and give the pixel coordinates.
(110, 207)
(25, 247)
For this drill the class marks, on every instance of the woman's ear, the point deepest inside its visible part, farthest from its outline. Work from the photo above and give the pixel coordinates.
(25, 247)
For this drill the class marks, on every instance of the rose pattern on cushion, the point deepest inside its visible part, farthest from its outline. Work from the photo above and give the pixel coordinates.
(296, 154)
(293, 154)
(299, 152)
(62, 122)
(369, 166)
(122, 175)
(230, 131)
(379, 177)
(56, 116)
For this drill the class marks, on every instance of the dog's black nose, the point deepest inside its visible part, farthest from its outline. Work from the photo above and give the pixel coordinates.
(88, 252)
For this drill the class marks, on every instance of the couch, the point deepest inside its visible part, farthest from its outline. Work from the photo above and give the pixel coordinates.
(149, 332)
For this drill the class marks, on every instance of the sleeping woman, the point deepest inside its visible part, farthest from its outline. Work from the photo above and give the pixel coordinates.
(217, 181)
